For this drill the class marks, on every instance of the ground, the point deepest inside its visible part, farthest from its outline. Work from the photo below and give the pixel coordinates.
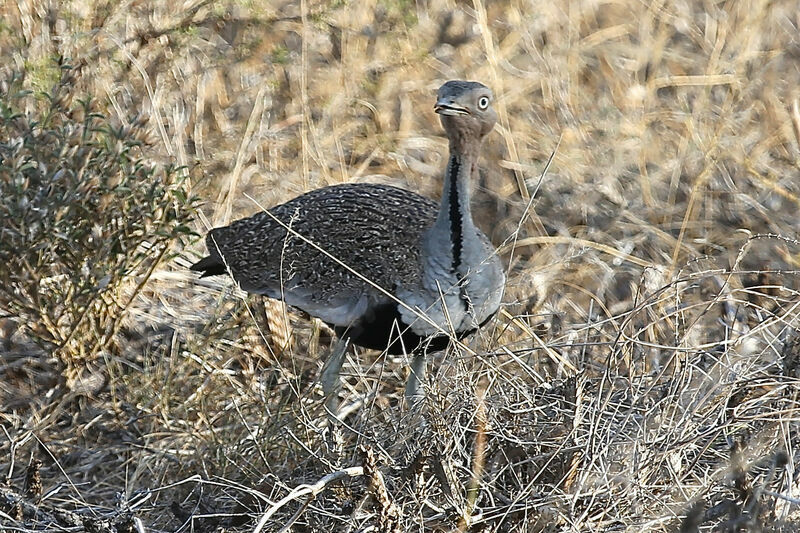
(642, 187)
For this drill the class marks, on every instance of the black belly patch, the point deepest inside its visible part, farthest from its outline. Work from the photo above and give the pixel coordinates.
(385, 330)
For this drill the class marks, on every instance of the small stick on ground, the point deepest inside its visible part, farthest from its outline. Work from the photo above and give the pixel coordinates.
(312, 490)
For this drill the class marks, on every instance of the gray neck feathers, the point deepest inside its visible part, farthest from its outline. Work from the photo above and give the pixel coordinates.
(455, 215)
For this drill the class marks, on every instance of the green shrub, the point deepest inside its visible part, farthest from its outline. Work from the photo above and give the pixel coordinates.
(85, 218)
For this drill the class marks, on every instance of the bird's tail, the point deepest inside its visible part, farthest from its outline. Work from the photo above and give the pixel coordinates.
(209, 266)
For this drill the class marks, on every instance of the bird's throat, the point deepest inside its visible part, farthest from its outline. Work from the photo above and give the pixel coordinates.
(456, 204)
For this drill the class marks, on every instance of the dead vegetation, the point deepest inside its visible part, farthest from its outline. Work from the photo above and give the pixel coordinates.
(643, 375)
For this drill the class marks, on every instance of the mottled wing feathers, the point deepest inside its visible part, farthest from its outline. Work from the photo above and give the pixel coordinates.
(373, 229)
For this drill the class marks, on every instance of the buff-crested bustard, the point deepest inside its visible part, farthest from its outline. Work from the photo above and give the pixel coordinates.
(387, 268)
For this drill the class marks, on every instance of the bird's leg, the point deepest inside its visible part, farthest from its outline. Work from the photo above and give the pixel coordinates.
(415, 390)
(330, 377)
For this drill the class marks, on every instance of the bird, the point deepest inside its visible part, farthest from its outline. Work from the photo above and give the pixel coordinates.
(387, 268)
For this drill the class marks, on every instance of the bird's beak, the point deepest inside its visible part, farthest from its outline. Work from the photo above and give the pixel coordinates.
(447, 107)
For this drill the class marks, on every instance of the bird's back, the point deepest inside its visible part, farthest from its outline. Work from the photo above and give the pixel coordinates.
(373, 229)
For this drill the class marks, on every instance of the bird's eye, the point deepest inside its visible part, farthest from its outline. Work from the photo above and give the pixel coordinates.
(483, 102)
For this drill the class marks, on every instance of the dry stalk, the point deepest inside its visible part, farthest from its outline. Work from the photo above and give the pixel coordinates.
(389, 516)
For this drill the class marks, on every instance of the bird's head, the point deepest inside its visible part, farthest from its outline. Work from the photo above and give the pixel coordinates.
(466, 110)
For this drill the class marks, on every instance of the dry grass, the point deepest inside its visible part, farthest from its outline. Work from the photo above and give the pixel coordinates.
(643, 374)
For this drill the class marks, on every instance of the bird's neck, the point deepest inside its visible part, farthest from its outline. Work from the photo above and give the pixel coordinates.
(455, 214)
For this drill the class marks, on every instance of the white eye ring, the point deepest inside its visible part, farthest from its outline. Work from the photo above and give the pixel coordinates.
(483, 102)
